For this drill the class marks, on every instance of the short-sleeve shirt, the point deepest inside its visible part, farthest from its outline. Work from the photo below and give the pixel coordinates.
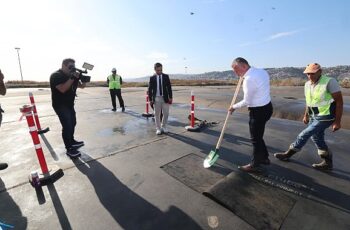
(332, 86)
(62, 99)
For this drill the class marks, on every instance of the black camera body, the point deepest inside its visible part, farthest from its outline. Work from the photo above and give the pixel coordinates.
(83, 78)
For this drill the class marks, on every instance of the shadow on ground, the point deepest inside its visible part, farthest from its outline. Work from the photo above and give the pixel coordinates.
(130, 210)
(10, 213)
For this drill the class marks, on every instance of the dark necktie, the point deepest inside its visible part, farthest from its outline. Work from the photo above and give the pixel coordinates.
(160, 86)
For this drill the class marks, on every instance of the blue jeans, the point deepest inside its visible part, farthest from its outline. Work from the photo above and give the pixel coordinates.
(67, 117)
(315, 130)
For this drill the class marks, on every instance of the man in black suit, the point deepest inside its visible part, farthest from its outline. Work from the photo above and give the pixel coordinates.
(161, 97)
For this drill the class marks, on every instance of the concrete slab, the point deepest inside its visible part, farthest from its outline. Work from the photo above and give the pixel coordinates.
(119, 172)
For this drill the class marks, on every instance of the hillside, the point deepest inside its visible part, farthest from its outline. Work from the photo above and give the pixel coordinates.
(338, 72)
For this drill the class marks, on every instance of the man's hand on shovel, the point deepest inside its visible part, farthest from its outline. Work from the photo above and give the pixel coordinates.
(231, 110)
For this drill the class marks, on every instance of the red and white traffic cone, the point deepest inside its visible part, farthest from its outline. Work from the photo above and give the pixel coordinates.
(37, 122)
(147, 114)
(46, 175)
(192, 127)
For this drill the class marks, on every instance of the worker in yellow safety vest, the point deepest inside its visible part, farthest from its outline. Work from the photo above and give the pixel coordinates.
(114, 82)
(324, 108)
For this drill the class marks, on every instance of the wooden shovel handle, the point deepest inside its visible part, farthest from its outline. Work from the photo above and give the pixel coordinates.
(228, 112)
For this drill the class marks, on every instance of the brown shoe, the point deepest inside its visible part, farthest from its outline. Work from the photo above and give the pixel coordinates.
(249, 168)
(286, 155)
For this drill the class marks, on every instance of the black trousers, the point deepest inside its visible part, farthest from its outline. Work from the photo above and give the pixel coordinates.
(258, 116)
(68, 120)
(118, 93)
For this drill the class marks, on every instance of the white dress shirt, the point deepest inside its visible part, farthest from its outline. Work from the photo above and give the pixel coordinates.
(161, 79)
(256, 89)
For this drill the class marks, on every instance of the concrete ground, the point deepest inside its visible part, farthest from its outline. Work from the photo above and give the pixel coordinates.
(118, 182)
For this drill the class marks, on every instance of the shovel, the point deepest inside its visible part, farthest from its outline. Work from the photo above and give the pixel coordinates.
(213, 155)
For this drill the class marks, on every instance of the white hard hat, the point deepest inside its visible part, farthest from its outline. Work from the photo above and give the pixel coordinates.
(114, 70)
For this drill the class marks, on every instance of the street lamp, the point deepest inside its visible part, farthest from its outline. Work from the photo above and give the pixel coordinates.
(19, 61)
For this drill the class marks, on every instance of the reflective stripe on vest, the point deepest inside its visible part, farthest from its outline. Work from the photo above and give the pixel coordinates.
(319, 97)
(114, 82)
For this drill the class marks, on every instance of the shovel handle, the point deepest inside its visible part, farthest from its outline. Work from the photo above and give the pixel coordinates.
(228, 112)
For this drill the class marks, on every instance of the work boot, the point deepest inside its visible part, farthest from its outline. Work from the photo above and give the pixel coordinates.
(123, 109)
(286, 155)
(3, 166)
(114, 109)
(326, 163)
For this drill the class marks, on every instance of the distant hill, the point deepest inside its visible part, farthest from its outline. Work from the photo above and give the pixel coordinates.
(338, 72)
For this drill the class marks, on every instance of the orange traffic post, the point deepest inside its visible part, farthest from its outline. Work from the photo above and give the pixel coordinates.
(46, 175)
(37, 122)
(147, 114)
(192, 127)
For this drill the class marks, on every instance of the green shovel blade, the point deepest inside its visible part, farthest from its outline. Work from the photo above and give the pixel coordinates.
(211, 159)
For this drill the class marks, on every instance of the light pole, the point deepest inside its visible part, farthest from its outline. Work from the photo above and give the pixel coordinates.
(19, 61)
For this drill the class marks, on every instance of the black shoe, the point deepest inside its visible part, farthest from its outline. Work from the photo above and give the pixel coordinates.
(3, 166)
(114, 109)
(123, 109)
(73, 153)
(77, 144)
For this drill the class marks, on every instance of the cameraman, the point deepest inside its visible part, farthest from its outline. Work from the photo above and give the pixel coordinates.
(2, 92)
(64, 84)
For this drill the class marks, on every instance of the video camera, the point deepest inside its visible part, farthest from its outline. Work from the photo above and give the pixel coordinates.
(83, 78)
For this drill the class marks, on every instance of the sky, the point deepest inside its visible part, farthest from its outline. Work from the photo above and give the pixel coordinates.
(133, 35)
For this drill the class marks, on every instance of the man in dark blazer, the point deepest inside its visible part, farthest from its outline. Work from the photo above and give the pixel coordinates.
(161, 97)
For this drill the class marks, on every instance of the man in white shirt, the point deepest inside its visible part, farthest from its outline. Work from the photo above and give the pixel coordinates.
(256, 88)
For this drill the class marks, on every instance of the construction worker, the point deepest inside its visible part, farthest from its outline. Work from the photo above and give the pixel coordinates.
(2, 92)
(114, 82)
(324, 108)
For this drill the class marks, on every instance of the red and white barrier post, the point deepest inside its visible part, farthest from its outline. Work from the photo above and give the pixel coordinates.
(45, 176)
(192, 109)
(37, 122)
(192, 127)
(147, 114)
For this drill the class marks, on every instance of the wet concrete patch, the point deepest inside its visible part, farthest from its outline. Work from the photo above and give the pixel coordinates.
(137, 127)
(111, 131)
